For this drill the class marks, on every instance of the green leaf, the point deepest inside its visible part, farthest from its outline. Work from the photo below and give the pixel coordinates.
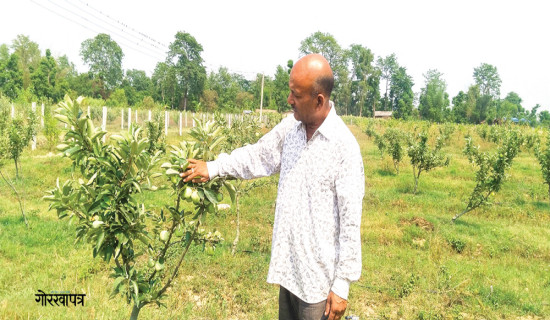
(211, 195)
(100, 239)
(166, 165)
(231, 190)
(95, 207)
(92, 179)
(172, 171)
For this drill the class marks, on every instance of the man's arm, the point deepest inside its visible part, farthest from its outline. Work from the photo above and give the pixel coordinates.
(350, 189)
(253, 161)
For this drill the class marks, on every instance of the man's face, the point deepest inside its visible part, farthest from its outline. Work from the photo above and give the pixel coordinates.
(300, 97)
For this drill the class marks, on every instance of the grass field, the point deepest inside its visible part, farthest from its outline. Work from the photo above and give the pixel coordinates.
(493, 263)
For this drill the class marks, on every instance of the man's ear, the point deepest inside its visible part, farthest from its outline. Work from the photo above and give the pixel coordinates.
(320, 100)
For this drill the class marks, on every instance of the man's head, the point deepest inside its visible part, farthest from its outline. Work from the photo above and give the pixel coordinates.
(311, 83)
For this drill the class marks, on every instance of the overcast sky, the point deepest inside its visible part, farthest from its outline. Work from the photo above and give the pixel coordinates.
(250, 37)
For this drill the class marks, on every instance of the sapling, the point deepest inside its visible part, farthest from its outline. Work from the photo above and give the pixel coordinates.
(423, 158)
(492, 168)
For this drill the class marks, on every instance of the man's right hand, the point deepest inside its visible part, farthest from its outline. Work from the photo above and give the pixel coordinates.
(197, 171)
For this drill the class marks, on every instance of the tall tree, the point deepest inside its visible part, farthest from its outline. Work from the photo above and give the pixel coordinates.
(280, 88)
(104, 57)
(164, 84)
(136, 85)
(227, 86)
(44, 79)
(364, 78)
(401, 94)
(29, 57)
(185, 57)
(388, 66)
(482, 106)
(11, 77)
(434, 99)
(459, 111)
(487, 78)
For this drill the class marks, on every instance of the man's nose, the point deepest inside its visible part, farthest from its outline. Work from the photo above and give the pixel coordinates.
(289, 99)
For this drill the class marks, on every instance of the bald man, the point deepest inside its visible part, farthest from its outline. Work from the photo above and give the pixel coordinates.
(316, 247)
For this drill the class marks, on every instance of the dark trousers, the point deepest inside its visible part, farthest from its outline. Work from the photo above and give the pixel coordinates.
(293, 308)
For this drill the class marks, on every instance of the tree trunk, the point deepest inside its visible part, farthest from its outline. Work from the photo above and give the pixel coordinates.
(460, 214)
(416, 177)
(18, 198)
(185, 101)
(16, 169)
(396, 165)
(135, 312)
(236, 241)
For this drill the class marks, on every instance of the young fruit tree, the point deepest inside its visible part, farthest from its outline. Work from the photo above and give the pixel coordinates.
(492, 168)
(394, 139)
(380, 143)
(423, 158)
(544, 160)
(15, 135)
(147, 247)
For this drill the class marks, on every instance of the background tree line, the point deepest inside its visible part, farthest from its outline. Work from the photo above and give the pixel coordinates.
(364, 83)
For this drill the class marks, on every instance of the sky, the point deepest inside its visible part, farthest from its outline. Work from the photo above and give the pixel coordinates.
(250, 37)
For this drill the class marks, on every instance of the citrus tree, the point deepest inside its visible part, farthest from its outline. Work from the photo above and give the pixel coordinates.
(15, 135)
(146, 247)
(423, 158)
(394, 143)
(492, 167)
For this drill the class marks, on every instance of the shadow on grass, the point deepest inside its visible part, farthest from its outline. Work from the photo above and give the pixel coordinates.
(386, 173)
(543, 206)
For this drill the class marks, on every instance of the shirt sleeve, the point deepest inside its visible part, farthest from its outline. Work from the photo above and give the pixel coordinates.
(257, 160)
(350, 189)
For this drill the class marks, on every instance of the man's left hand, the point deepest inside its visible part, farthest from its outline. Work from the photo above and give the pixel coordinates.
(336, 306)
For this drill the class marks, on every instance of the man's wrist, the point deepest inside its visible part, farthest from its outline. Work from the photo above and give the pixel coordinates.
(213, 170)
(341, 288)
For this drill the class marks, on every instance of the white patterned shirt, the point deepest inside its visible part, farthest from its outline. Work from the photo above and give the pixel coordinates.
(316, 243)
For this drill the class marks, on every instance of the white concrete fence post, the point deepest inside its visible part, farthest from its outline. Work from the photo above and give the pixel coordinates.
(104, 122)
(33, 144)
(149, 115)
(181, 123)
(42, 118)
(129, 117)
(12, 111)
(122, 119)
(136, 117)
(166, 120)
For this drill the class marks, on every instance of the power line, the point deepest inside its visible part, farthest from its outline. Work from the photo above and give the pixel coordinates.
(146, 40)
(110, 31)
(153, 53)
(125, 25)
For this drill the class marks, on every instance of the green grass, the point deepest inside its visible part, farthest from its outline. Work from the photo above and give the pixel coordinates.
(493, 263)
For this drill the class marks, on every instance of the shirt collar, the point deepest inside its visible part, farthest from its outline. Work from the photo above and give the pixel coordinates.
(327, 128)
